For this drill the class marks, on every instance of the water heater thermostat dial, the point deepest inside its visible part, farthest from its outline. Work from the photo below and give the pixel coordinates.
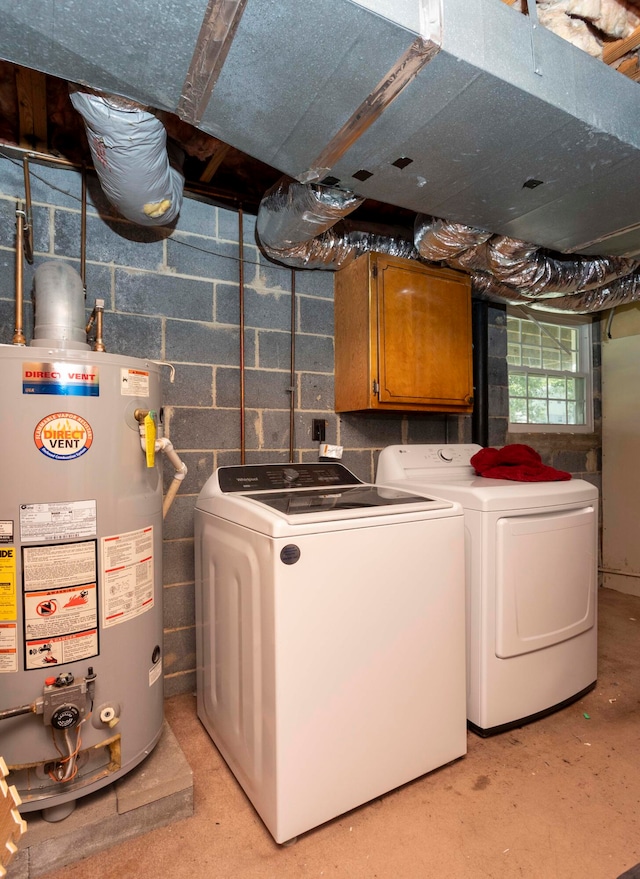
(65, 717)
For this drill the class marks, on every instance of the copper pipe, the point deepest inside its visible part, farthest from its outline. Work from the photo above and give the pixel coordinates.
(10, 149)
(83, 232)
(218, 196)
(96, 318)
(18, 334)
(99, 345)
(241, 305)
(28, 225)
(292, 375)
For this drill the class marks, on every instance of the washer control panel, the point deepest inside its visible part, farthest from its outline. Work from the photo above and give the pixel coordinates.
(267, 477)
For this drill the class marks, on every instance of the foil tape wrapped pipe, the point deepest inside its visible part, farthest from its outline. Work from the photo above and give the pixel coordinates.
(527, 268)
(129, 151)
(293, 213)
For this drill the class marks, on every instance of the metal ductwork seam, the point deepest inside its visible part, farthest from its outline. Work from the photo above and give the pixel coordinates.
(129, 151)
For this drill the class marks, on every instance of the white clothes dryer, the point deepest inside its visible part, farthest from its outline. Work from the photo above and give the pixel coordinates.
(531, 582)
(330, 636)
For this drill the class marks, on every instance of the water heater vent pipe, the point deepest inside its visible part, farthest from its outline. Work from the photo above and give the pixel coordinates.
(59, 307)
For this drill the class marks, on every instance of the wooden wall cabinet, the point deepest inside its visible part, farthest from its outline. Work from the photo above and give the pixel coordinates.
(402, 337)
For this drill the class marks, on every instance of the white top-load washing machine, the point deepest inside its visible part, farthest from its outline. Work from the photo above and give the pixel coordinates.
(531, 572)
(330, 636)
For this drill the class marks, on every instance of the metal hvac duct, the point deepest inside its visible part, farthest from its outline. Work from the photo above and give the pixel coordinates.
(459, 109)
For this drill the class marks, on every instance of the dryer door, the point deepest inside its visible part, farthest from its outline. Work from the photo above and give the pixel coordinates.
(545, 579)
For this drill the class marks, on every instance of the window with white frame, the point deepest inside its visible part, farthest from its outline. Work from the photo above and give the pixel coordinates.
(549, 362)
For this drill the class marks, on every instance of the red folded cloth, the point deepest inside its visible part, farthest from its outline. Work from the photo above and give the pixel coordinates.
(517, 462)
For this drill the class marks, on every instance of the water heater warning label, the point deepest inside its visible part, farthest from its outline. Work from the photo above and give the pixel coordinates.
(8, 602)
(127, 575)
(8, 647)
(134, 383)
(60, 603)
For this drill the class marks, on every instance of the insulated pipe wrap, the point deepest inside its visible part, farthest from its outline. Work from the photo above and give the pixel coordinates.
(129, 151)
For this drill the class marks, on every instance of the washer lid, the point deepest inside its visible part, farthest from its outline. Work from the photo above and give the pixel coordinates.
(304, 496)
(363, 497)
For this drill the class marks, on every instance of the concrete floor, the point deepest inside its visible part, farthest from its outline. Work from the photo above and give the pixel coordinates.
(558, 799)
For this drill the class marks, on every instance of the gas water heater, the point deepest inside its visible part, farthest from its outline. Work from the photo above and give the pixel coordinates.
(81, 690)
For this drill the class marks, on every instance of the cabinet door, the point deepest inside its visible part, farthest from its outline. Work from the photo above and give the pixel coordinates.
(424, 336)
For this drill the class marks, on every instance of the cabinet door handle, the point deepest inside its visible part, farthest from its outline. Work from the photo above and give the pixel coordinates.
(469, 399)
(375, 387)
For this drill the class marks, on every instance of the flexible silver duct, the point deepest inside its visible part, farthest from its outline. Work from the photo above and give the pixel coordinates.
(301, 225)
(517, 263)
(485, 286)
(129, 151)
(439, 241)
(502, 269)
(292, 213)
(618, 292)
(526, 267)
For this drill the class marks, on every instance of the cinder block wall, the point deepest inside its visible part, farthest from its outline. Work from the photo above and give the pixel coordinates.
(173, 295)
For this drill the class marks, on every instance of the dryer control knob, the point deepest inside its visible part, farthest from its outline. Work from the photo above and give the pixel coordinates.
(290, 474)
(445, 455)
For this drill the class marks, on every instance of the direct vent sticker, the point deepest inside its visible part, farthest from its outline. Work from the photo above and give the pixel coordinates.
(63, 436)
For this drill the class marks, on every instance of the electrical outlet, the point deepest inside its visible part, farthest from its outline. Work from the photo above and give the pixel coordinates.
(318, 430)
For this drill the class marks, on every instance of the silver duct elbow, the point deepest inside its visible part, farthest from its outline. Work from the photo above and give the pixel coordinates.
(302, 226)
(293, 213)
